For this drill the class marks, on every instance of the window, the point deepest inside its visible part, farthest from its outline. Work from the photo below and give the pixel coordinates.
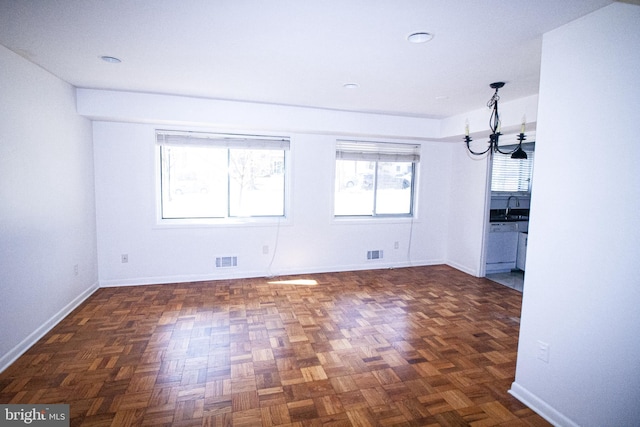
(512, 175)
(221, 176)
(375, 178)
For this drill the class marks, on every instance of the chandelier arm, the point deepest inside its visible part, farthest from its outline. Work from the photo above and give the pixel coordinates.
(521, 137)
(475, 153)
(507, 152)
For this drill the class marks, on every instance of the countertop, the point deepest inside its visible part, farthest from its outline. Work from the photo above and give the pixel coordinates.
(514, 215)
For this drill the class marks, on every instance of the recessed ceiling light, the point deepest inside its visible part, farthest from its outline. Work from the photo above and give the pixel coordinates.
(110, 59)
(421, 37)
(350, 85)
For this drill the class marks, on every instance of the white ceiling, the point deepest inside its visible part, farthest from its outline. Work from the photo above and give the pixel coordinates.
(295, 52)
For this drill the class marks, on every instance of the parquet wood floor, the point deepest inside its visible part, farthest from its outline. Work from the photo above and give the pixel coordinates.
(422, 346)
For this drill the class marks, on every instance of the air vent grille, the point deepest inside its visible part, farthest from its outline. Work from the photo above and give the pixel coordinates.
(226, 261)
(377, 254)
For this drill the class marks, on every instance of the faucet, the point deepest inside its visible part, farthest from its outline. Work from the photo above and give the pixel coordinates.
(506, 211)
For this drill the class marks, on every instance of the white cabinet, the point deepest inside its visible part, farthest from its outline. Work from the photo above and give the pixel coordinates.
(522, 250)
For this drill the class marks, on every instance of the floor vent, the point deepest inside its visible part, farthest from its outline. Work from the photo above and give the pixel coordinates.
(226, 261)
(374, 254)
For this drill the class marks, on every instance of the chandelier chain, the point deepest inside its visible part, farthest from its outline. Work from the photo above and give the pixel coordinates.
(495, 98)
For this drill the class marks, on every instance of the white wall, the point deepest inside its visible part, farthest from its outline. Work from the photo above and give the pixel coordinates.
(468, 204)
(246, 116)
(47, 211)
(310, 241)
(582, 289)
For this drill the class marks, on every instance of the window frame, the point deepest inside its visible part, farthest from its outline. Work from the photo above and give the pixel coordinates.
(529, 148)
(232, 141)
(378, 152)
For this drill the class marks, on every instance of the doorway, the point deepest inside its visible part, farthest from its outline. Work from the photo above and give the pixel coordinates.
(509, 195)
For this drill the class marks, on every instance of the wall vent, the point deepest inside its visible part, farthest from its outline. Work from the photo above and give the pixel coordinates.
(374, 254)
(226, 261)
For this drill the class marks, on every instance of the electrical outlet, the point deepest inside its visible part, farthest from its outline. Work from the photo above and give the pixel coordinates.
(124, 258)
(543, 351)
(396, 245)
(75, 270)
(265, 249)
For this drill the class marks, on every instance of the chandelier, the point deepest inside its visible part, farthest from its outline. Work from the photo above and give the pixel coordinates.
(494, 125)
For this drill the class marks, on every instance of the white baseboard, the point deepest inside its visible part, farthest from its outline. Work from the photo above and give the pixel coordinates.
(541, 407)
(7, 359)
(232, 273)
(463, 268)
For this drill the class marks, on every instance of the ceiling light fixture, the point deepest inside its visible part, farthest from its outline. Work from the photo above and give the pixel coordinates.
(421, 37)
(494, 125)
(110, 59)
(350, 85)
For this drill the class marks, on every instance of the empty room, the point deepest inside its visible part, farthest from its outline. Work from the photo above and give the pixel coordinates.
(295, 213)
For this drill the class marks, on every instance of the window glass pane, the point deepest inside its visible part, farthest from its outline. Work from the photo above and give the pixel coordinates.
(354, 187)
(375, 178)
(194, 182)
(256, 186)
(221, 176)
(393, 184)
(373, 188)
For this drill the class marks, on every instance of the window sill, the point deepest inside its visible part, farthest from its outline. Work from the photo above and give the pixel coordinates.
(367, 220)
(221, 222)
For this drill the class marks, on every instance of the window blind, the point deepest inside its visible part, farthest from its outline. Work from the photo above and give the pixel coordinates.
(377, 151)
(201, 139)
(512, 175)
